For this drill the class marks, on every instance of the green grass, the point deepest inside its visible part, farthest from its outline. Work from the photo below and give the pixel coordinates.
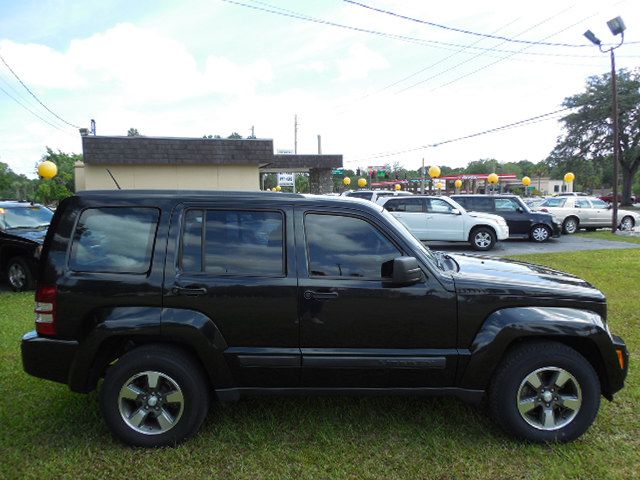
(607, 235)
(48, 432)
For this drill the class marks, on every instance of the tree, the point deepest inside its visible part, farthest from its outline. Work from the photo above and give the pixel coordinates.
(62, 185)
(588, 132)
(133, 132)
(235, 136)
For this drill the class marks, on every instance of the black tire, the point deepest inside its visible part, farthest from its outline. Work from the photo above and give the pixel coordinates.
(509, 381)
(627, 223)
(570, 225)
(482, 238)
(540, 233)
(172, 364)
(19, 274)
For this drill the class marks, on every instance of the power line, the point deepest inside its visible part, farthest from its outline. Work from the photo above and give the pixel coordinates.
(34, 95)
(404, 38)
(461, 30)
(519, 123)
(31, 111)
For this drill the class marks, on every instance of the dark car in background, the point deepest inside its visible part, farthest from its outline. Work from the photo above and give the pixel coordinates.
(23, 226)
(522, 222)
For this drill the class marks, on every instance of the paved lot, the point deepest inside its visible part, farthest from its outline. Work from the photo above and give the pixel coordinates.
(566, 243)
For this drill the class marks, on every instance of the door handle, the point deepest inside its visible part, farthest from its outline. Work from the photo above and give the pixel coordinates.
(189, 291)
(310, 294)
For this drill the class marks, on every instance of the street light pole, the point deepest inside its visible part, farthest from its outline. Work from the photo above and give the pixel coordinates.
(617, 27)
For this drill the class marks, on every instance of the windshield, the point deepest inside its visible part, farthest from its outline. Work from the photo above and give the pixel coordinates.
(417, 245)
(25, 217)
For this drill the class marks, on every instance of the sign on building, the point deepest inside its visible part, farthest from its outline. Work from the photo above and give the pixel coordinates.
(285, 179)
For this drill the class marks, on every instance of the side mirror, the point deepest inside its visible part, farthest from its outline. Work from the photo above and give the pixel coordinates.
(520, 210)
(455, 211)
(401, 272)
(609, 207)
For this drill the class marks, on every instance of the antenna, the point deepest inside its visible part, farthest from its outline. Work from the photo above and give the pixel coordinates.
(113, 178)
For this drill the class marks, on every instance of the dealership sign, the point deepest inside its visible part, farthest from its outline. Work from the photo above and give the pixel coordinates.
(285, 179)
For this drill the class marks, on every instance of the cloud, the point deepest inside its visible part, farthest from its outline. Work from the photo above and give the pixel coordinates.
(360, 61)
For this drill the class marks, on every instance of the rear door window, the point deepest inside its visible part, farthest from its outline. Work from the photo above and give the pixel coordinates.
(404, 205)
(479, 204)
(233, 242)
(114, 240)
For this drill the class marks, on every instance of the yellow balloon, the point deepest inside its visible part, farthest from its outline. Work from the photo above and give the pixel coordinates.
(398, 186)
(458, 183)
(278, 188)
(526, 181)
(362, 182)
(346, 181)
(569, 177)
(434, 171)
(47, 170)
(493, 178)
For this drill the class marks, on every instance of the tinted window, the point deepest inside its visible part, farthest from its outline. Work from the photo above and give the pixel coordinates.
(235, 242)
(505, 205)
(117, 240)
(339, 246)
(599, 203)
(404, 205)
(582, 203)
(435, 205)
(479, 204)
(365, 195)
(553, 202)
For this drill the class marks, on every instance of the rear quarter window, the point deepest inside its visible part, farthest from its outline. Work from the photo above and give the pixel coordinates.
(114, 240)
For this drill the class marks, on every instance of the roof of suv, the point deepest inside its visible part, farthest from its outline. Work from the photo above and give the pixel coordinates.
(482, 195)
(219, 194)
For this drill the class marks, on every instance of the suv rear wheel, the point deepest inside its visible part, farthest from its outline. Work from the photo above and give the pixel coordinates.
(545, 392)
(482, 238)
(19, 274)
(154, 396)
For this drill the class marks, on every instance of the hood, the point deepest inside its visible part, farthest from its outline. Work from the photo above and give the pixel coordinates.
(35, 235)
(542, 216)
(480, 275)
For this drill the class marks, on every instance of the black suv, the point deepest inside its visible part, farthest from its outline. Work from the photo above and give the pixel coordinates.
(178, 297)
(522, 222)
(23, 226)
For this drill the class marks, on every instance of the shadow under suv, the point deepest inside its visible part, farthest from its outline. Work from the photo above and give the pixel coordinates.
(177, 298)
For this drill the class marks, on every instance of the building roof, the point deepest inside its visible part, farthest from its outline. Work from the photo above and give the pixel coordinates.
(103, 150)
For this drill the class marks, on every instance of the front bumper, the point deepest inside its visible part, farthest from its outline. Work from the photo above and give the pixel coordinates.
(503, 232)
(48, 358)
(557, 229)
(618, 375)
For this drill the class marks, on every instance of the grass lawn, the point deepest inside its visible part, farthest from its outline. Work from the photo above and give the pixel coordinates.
(48, 432)
(607, 235)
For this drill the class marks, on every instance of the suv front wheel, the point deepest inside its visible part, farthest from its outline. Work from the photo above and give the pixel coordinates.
(154, 396)
(540, 233)
(482, 238)
(545, 392)
(19, 275)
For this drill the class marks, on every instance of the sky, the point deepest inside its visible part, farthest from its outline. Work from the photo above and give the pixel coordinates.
(377, 88)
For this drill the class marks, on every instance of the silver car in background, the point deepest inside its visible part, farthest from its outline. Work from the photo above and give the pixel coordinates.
(576, 212)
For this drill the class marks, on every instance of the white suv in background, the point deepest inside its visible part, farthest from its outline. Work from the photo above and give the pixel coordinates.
(375, 196)
(443, 219)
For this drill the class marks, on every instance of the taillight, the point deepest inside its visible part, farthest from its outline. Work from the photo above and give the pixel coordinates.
(46, 309)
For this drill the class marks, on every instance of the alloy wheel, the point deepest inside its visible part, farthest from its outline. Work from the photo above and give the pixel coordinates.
(540, 234)
(482, 239)
(151, 402)
(17, 276)
(549, 398)
(570, 226)
(627, 224)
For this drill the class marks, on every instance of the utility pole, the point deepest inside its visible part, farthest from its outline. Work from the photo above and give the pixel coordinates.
(319, 145)
(253, 131)
(295, 134)
(422, 177)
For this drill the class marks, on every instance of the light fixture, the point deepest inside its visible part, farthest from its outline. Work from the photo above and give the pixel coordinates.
(616, 25)
(592, 38)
